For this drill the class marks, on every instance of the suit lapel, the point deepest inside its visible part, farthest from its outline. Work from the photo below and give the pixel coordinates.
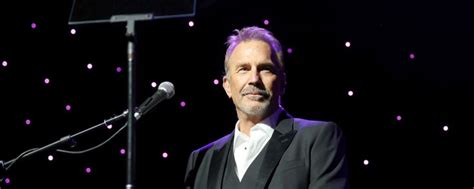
(279, 142)
(218, 162)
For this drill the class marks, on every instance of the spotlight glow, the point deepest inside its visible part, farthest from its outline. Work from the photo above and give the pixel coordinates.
(7, 180)
(191, 24)
(118, 69)
(412, 56)
(89, 66)
(289, 50)
(165, 155)
(109, 126)
(366, 162)
(28, 122)
(46, 80)
(216, 82)
(4, 63)
(445, 128)
(350, 93)
(73, 31)
(183, 104)
(88, 170)
(122, 151)
(348, 44)
(153, 84)
(33, 25)
(50, 157)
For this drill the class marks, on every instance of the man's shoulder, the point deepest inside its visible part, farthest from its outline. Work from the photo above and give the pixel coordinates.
(315, 125)
(217, 144)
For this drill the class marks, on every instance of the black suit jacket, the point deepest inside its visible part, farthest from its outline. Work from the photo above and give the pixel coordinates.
(300, 154)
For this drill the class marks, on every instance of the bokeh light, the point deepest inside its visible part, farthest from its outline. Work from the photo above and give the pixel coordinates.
(28, 122)
(68, 107)
(350, 93)
(399, 117)
(348, 44)
(89, 66)
(366, 162)
(266, 22)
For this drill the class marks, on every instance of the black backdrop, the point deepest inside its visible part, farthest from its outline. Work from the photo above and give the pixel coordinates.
(429, 92)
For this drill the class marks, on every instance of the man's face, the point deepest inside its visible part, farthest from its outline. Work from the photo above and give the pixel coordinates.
(253, 81)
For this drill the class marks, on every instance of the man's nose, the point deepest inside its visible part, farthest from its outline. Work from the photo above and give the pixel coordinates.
(255, 77)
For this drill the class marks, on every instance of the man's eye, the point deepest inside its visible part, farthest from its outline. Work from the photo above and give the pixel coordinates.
(267, 69)
(241, 69)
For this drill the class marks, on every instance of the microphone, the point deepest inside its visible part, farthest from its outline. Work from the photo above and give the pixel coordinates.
(165, 91)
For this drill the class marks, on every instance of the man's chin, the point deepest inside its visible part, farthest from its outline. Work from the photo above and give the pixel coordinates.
(251, 97)
(256, 109)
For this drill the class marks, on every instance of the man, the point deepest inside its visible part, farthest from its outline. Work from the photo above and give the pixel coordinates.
(268, 148)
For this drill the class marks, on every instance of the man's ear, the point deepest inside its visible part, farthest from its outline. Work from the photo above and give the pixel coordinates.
(226, 86)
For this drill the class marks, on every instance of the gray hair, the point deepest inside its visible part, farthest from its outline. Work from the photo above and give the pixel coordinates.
(254, 33)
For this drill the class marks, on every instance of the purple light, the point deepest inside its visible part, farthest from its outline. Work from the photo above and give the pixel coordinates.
(50, 157)
(27, 121)
(165, 155)
(73, 31)
(366, 162)
(348, 44)
(4, 63)
(399, 118)
(88, 170)
(118, 69)
(445, 128)
(7, 181)
(350, 93)
(109, 126)
(153, 84)
(183, 104)
(191, 24)
(266, 22)
(216, 82)
(33, 25)
(89, 66)
(46, 80)
(412, 56)
(68, 107)
(122, 151)
(289, 50)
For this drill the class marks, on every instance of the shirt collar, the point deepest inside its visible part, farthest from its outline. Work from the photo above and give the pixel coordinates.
(267, 125)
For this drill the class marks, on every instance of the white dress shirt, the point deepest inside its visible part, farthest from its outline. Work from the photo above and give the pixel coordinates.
(246, 148)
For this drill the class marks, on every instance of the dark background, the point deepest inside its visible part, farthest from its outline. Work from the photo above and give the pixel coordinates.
(430, 91)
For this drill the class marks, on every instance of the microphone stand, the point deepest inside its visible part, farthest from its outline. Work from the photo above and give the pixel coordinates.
(130, 20)
(61, 141)
(130, 34)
